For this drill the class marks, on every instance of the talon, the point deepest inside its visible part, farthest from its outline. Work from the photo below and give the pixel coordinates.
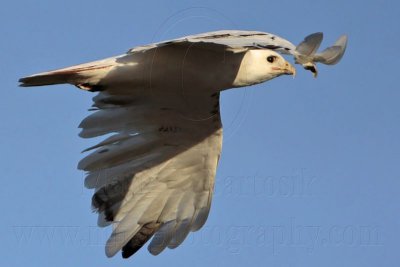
(311, 67)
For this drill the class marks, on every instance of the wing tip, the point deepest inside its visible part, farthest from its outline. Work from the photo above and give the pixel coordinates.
(24, 82)
(43, 80)
(110, 252)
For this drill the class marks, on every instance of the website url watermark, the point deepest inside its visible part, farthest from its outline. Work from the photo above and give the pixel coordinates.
(232, 238)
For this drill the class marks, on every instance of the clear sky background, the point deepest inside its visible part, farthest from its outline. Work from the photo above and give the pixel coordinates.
(309, 174)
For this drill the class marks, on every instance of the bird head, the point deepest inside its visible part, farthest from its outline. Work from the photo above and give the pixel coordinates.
(260, 65)
(277, 65)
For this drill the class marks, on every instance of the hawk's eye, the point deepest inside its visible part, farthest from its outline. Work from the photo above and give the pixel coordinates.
(271, 59)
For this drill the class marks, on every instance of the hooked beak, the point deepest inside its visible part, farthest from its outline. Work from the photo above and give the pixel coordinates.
(288, 69)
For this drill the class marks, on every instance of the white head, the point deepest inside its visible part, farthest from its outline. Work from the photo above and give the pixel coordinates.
(260, 65)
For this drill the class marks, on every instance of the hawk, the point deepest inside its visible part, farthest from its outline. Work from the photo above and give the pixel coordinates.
(158, 108)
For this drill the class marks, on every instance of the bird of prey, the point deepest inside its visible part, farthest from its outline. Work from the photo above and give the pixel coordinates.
(158, 108)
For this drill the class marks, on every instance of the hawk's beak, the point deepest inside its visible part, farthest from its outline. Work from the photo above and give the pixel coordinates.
(286, 69)
(289, 69)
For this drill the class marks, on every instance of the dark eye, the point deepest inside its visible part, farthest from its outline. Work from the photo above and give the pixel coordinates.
(271, 59)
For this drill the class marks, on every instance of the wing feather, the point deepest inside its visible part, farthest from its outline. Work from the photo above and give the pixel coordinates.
(162, 237)
(157, 169)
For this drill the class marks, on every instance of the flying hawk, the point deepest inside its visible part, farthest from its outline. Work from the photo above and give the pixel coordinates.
(158, 106)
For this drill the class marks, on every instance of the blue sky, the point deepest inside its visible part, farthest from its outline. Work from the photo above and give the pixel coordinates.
(309, 174)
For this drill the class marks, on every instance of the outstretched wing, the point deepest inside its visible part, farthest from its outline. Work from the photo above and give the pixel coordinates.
(305, 53)
(238, 41)
(155, 173)
(231, 39)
